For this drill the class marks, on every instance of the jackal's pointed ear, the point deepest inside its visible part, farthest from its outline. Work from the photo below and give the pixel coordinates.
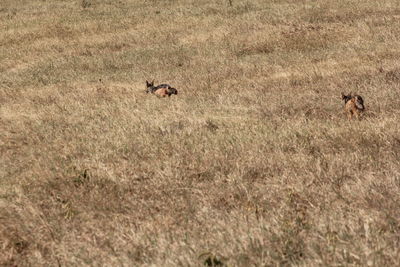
(152, 83)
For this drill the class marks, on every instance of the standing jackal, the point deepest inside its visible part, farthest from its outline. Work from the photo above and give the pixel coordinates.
(161, 90)
(353, 105)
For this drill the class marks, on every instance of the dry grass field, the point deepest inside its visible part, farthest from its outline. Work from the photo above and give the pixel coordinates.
(253, 163)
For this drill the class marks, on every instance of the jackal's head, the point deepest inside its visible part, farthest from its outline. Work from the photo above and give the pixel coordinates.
(149, 86)
(346, 98)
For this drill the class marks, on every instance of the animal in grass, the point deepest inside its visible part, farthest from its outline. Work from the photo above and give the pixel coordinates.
(161, 90)
(353, 105)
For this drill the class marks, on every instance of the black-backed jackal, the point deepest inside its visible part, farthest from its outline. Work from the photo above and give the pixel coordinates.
(353, 105)
(161, 90)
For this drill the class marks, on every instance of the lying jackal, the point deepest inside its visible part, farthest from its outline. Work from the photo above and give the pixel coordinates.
(161, 90)
(353, 105)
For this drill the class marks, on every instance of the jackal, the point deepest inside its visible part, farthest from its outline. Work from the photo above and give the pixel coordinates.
(353, 105)
(161, 90)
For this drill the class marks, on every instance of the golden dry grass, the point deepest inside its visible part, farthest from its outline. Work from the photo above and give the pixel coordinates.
(253, 163)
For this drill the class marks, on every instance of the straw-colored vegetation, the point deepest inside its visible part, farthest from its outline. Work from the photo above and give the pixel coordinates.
(253, 163)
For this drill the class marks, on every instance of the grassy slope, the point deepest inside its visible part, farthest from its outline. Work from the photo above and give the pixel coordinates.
(252, 163)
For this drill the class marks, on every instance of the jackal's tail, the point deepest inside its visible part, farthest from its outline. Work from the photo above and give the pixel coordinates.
(359, 102)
